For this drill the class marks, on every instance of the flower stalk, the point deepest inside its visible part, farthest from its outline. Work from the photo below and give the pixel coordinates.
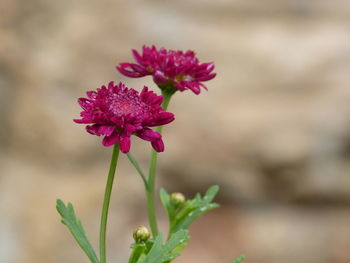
(152, 172)
(106, 201)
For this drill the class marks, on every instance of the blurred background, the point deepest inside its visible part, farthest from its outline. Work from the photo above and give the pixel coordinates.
(273, 130)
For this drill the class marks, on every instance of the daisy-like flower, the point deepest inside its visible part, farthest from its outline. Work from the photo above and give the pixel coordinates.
(117, 112)
(169, 68)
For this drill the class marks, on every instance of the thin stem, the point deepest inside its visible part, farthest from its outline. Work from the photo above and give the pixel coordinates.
(150, 195)
(106, 201)
(138, 168)
(136, 253)
(167, 96)
(151, 176)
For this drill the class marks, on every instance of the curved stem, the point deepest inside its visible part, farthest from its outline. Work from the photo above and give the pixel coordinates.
(151, 176)
(106, 200)
(138, 168)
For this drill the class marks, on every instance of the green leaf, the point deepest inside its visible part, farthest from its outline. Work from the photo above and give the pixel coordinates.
(211, 193)
(138, 168)
(74, 225)
(191, 210)
(167, 204)
(238, 259)
(187, 220)
(161, 253)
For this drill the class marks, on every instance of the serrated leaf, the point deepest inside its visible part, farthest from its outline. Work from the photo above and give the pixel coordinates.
(161, 253)
(74, 225)
(238, 259)
(168, 206)
(193, 209)
(190, 217)
(211, 193)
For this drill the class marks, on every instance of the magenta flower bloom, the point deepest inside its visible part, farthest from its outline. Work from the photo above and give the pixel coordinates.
(117, 112)
(177, 69)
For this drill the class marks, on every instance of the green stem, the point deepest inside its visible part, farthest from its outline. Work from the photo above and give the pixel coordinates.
(136, 252)
(167, 96)
(151, 175)
(106, 201)
(138, 168)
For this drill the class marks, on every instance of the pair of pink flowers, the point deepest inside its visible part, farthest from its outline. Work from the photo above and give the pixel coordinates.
(117, 112)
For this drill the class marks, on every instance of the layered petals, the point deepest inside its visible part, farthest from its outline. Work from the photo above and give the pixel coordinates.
(181, 70)
(117, 113)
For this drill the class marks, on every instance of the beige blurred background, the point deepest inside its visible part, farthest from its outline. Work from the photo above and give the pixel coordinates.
(273, 130)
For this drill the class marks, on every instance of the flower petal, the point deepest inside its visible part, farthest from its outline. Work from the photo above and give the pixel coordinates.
(84, 103)
(163, 118)
(148, 134)
(137, 56)
(127, 70)
(124, 143)
(205, 77)
(110, 140)
(158, 76)
(93, 129)
(158, 145)
(83, 121)
(106, 129)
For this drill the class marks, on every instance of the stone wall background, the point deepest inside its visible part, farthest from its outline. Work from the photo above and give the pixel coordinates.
(273, 131)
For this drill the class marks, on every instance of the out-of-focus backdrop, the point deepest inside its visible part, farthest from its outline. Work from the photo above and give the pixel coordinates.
(273, 130)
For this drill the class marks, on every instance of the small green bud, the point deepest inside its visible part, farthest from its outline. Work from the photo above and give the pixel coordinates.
(177, 199)
(141, 234)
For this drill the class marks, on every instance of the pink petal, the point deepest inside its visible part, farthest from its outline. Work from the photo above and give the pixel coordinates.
(129, 128)
(163, 118)
(140, 69)
(93, 129)
(84, 121)
(206, 77)
(110, 140)
(106, 130)
(210, 66)
(144, 93)
(91, 94)
(194, 87)
(124, 68)
(179, 86)
(148, 134)
(84, 103)
(158, 145)
(158, 76)
(124, 143)
(137, 56)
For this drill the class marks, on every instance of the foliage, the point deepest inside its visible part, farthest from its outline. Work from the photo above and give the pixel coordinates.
(181, 217)
(74, 225)
(157, 252)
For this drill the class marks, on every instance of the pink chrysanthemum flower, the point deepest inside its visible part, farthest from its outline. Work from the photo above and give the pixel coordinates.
(117, 112)
(177, 69)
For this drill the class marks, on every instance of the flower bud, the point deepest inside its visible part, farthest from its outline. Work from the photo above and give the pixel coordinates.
(177, 199)
(141, 234)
